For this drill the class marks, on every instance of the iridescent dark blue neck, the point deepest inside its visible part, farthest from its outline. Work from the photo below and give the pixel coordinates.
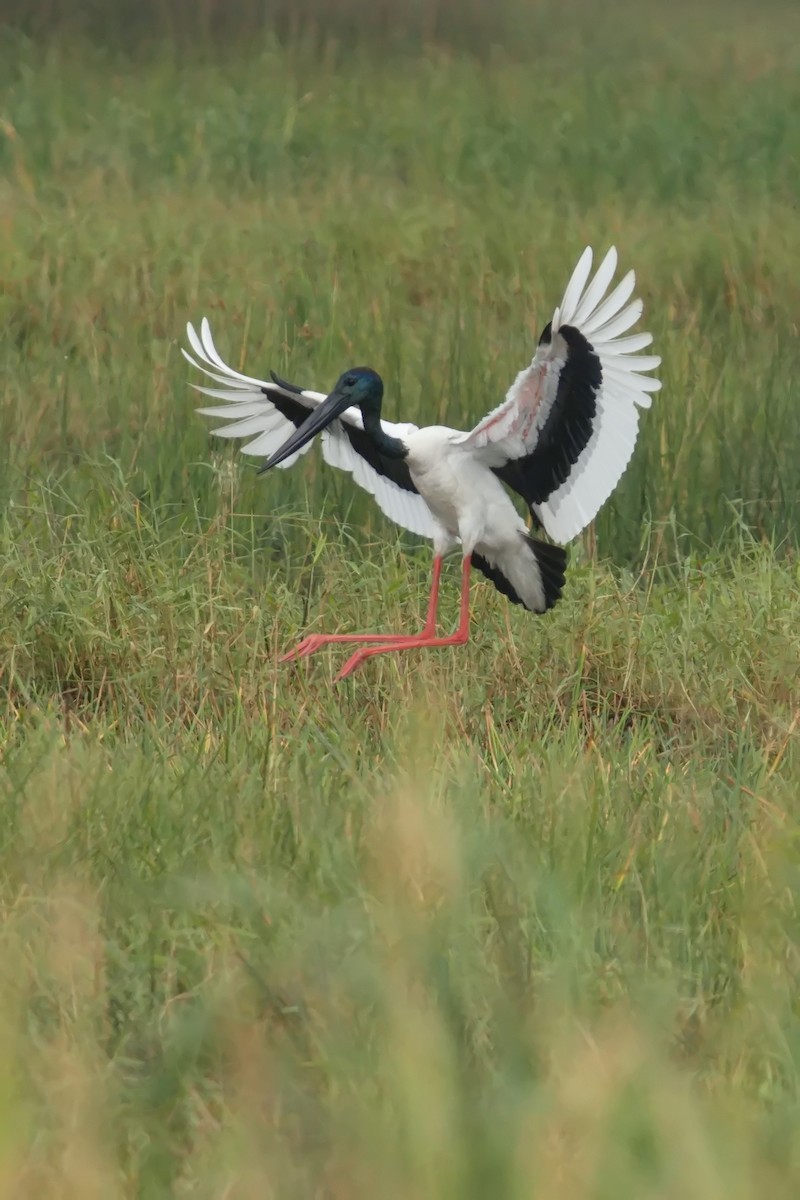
(390, 447)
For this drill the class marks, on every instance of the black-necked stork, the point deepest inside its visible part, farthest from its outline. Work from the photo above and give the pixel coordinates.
(561, 439)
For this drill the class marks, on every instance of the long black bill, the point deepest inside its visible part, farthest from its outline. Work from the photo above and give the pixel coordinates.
(327, 412)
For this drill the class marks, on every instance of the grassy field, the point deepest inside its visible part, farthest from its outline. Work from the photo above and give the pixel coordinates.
(513, 921)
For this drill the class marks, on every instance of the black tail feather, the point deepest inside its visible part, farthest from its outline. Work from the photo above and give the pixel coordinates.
(551, 561)
(497, 577)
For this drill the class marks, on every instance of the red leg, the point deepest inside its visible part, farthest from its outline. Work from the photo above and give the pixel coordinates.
(315, 640)
(425, 639)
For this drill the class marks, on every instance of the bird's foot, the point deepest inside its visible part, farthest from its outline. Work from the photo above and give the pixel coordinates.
(420, 642)
(315, 641)
(355, 660)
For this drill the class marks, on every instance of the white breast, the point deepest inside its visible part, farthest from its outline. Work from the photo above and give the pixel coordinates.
(459, 489)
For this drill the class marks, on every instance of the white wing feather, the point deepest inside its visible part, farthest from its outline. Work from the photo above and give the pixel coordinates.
(512, 430)
(250, 412)
(406, 509)
(602, 462)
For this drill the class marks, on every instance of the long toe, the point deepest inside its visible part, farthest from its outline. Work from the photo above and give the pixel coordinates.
(398, 642)
(315, 641)
(355, 660)
(303, 649)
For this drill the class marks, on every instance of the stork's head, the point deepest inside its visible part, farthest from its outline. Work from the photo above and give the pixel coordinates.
(360, 387)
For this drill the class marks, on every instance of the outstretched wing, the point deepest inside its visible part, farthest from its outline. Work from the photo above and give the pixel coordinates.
(268, 411)
(567, 428)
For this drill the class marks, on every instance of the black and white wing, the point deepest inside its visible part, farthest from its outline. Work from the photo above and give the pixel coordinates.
(267, 412)
(566, 430)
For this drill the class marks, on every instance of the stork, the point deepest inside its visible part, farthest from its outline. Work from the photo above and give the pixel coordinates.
(561, 439)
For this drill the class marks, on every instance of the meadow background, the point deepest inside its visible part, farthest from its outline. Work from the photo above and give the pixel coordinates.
(513, 921)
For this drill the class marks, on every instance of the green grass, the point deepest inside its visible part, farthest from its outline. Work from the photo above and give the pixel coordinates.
(517, 920)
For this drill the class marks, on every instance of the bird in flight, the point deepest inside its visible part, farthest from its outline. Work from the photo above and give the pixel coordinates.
(561, 439)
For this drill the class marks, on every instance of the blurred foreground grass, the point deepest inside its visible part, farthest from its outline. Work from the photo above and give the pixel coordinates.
(514, 921)
(520, 921)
